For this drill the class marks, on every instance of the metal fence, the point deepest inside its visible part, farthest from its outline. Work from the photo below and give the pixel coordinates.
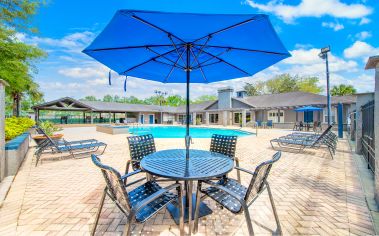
(368, 134)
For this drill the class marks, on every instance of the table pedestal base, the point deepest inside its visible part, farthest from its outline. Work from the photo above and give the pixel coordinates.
(174, 210)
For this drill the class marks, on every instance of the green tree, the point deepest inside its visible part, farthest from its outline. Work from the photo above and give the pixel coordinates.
(17, 58)
(175, 100)
(204, 98)
(133, 100)
(89, 98)
(283, 83)
(342, 90)
(16, 14)
(309, 85)
(255, 89)
(107, 98)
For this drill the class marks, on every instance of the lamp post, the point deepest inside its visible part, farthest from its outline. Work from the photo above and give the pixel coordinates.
(160, 95)
(324, 55)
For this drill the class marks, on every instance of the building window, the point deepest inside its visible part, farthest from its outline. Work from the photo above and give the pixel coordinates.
(237, 117)
(181, 118)
(248, 116)
(213, 118)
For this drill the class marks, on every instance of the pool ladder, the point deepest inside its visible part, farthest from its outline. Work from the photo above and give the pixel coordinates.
(135, 127)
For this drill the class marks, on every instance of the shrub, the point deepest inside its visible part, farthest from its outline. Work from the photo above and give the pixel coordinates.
(14, 126)
(49, 127)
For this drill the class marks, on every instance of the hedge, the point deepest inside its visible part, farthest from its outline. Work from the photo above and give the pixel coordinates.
(14, 126)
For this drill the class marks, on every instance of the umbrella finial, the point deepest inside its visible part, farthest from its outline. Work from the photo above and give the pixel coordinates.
(126, 78)
(110, 77)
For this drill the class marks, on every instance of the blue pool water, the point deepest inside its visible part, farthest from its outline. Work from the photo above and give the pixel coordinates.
(179, 132)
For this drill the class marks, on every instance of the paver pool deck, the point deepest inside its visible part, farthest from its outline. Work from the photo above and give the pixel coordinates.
(314, 194)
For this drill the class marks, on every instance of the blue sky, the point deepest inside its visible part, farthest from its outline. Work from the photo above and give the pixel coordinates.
(68, 26)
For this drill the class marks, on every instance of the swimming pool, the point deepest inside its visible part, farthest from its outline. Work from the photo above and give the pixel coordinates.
(179, 131)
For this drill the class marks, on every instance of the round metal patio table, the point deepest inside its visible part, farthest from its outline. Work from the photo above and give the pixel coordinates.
(200, 165)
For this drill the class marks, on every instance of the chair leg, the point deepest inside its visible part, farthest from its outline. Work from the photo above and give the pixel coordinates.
(248, 219)
(274, 209)
(189, 193)
(93, 231)
(181, 210)
(198, 200)
(128, 226)
(238, 171)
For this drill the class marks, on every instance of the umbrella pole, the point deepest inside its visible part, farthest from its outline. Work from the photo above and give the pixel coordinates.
(188, 74)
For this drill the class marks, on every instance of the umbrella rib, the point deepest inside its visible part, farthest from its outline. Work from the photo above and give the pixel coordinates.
(127, 47)
(168, 59)
(172, 68)
(228, 63)
(202, 47)
(198, 64)
(164, 63)
(156, 27)
(213, 56)
(176, 48)
(147, 61)
(207, 64)
(229, 27)
(245, 49)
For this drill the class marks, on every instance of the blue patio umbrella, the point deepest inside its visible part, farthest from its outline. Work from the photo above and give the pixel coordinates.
(187, 48)
(308, 108)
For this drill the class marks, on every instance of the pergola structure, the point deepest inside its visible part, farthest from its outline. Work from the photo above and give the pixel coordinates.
(90, 108)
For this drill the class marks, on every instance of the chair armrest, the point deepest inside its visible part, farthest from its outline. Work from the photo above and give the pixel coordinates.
(225, 190)
(154, 196)
(244, 170)
(130, 174)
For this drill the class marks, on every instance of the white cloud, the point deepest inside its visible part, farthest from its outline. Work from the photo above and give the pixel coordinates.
(363, 35)
(334, 26)
(364, 21)
(360, 49)
(84, 72)
(313, 64)
(313, 8)
(74, 42)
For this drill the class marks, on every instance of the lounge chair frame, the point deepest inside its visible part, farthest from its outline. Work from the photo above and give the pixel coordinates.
(74, 148)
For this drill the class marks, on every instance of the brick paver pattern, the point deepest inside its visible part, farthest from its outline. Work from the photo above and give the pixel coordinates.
(314, 194)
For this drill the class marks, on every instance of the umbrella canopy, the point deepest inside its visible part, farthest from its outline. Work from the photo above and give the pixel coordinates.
(160, 46)
(308, 108)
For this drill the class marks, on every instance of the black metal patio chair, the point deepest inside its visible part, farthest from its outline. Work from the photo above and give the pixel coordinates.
(237, 198)
(226, 145)
(139, 147)
(140, 203)
(74, 148)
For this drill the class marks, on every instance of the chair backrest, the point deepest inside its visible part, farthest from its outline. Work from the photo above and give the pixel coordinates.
(49, 140)
(322, 136)
(224, 144)
(140, 146)
(260, 176)
(115, 184)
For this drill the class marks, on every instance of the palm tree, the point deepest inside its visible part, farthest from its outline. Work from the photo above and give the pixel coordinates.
(342, 90)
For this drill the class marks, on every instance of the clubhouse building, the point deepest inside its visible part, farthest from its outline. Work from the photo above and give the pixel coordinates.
(229, 109)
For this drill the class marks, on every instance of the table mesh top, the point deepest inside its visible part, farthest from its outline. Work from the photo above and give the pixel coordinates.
(173, 164)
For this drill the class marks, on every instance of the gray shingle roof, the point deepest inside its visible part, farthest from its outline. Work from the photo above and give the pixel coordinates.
(195, 107)
(293, 99)
(122, 107)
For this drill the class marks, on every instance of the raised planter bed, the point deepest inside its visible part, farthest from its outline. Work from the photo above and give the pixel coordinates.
(40, 138)
(15, 152)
